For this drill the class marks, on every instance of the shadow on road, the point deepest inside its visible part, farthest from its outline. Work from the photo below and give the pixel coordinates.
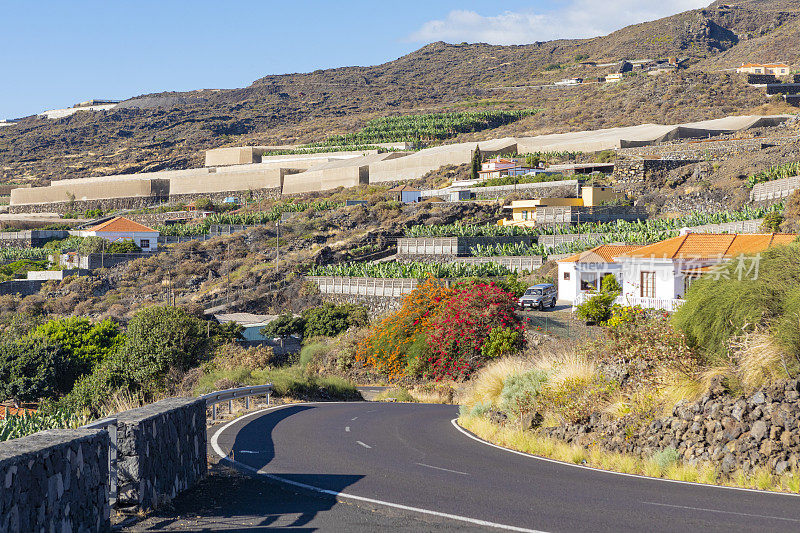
(254, 445)
(227, 500)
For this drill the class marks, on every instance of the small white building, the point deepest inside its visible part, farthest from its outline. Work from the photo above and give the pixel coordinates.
(582, 273)
(122, 229)
(658, 275)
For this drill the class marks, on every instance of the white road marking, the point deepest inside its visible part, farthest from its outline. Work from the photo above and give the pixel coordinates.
(354, 418)
(215, 445)
(722, 512)
(347, 429)
(364, 445)
(249, 451)
(601, 471)
(445, 469)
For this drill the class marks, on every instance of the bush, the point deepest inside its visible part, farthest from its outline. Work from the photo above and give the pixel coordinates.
(204, 204)
(92, 245)
(501, 342)
(722, 306)
(385, 348)
(31, 368)
(575, 398)
(159, 339)
(283, 326)
(597, 309)
(462, 325)
(772, 222)
(520, 394)
(125, 246)
(85, 344)
(330, 320)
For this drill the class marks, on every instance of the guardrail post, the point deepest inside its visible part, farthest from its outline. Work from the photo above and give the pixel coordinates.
(230, 406)
(247, 402)
(214, 412)
(112, 464)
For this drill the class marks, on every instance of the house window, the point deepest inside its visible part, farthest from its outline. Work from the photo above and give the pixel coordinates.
(566, 275)
(524, 215)
(648, 284)
(144, 243)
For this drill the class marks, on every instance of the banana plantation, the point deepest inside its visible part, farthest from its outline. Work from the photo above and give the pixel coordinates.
(429, 127)
(789, 170)
(410, 270)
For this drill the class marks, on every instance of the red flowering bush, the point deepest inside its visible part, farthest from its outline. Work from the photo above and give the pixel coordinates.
(462, 326)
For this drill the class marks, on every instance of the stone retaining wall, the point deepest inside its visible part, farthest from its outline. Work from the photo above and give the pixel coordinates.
(731, 432)
(107, 204)
(161, 451)
(715, 150)
(55, 480)
(636, 171)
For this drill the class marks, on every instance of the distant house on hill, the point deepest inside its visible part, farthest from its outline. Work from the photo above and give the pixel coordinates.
(122, 229)
(776, 69)
(406, 194)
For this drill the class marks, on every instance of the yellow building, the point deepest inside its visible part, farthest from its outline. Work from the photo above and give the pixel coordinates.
(523, 212)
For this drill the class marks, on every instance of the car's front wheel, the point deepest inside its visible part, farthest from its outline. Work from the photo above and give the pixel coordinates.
(541, 306)
(553, 303)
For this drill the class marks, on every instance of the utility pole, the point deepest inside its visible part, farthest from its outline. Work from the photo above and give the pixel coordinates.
(277, 243)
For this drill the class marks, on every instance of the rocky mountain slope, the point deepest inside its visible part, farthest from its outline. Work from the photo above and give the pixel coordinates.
(171, 130)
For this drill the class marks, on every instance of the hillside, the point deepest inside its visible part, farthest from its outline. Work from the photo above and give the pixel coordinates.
(171, 130)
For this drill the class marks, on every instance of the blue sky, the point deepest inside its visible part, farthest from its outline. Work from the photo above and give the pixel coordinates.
(56, 53)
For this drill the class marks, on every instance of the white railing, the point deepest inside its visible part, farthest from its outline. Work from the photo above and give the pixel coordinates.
(665, 304)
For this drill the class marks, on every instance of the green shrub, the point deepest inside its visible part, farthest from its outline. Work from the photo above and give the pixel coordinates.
(85, 344)
(772, 222)
(666, 458)
(125, 246)
(399, 394)
(31, 368)
(329, 320)
(204, 204)
(520, 394)
(92, 245)
(501, 342)
(162, 338)
(283, 326)
(575, 398)
(597, 309)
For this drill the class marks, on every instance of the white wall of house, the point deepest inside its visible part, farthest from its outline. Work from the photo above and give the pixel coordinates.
(146, 240)
(584, 277)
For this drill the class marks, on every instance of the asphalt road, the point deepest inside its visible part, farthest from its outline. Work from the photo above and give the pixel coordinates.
(412, 455)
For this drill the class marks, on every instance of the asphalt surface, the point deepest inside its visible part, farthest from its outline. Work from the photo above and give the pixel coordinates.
(412, 455)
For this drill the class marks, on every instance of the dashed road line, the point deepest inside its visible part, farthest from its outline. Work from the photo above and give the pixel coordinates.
(347, 429)
(364, 445)
(445, 469)
(722, 512)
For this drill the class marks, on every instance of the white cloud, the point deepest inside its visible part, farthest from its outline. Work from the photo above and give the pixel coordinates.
(578, 19)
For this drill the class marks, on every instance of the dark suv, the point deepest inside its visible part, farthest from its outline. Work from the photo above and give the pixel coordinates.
(539, 296)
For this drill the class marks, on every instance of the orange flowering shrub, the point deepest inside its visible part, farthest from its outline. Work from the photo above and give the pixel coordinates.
(462, 326)
(398, 346)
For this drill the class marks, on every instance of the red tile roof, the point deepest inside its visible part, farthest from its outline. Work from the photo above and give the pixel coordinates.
(603, 253)
(121, 225)
(711, 245)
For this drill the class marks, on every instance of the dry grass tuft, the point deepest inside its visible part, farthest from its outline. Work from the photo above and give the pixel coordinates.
(486, 386)
(759, 361)
(566, 365)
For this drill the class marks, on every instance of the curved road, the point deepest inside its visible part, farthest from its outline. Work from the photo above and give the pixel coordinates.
(412, 455)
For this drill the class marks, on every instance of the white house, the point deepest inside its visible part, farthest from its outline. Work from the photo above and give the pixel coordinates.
(121, 229)
(581, 273)
(658, 275)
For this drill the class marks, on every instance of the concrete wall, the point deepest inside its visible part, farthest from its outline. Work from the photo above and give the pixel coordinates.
(23, 287)
(55, 480)
(349, 172)
(161, 450)
(228, 179)
(413, 248)
(420, 163)
(73, 190)
(239, 155)
(29, 238)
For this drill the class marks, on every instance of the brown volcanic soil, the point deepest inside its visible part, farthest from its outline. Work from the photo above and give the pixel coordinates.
(172, 130)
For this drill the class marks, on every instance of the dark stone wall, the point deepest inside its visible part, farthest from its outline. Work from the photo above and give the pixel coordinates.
(732, 432)
(161, 451)
(55, 480)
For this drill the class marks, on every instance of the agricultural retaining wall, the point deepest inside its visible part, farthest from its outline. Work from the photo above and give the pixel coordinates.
(55, 480)
(573, 215)
(732, 432)
(513, 263)
(743, 226)
(706, 150)
(23, 287)
(636, 171)
(30, 238)
(555, 240)
(161, 450)
(775, 190)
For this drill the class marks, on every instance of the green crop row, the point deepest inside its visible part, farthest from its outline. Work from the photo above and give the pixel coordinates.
(15, 426)
(411, 270)
(429, 127)
(788, 170)
(650, 226)
(15, 254)
(254, 218)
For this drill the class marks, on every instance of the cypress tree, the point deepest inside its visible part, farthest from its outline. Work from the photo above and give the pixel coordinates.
(477, 159)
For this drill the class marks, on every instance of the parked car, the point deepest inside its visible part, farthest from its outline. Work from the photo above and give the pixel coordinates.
(539, 296)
